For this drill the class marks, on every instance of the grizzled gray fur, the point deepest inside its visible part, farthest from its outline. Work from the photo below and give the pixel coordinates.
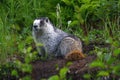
(51, 37)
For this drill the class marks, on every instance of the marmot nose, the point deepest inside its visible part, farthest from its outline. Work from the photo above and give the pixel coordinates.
(35, 26)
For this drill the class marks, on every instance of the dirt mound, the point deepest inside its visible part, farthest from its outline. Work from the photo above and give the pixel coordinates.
(45, 69)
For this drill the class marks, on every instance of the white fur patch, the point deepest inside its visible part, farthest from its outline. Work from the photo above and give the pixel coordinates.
(36, 22)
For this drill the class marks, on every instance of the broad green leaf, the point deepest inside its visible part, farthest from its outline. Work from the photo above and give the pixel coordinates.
(103, 73)
(29, 49)
(28, 58)
(26, 68)
(116, 52)
(55, 77)
(69, 63)
(87, 76)
(26, 78)
(18, 63)
(63, 72)
(14, 73)
(97, 64)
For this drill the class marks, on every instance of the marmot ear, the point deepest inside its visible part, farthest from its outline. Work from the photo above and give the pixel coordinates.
(47, 20)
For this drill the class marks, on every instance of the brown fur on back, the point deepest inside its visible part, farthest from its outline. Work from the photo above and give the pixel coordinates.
(74, 55)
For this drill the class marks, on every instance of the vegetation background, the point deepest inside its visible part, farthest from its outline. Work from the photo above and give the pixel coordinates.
(96, 21)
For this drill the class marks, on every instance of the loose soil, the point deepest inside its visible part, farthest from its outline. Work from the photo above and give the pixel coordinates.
(45, 69)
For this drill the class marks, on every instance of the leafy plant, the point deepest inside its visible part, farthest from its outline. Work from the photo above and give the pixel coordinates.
(108, 62)
(62, 73)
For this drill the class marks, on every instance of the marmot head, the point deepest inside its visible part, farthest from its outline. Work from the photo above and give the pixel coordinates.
(42, 24)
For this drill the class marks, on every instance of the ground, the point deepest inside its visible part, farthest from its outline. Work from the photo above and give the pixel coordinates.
(45, 69)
